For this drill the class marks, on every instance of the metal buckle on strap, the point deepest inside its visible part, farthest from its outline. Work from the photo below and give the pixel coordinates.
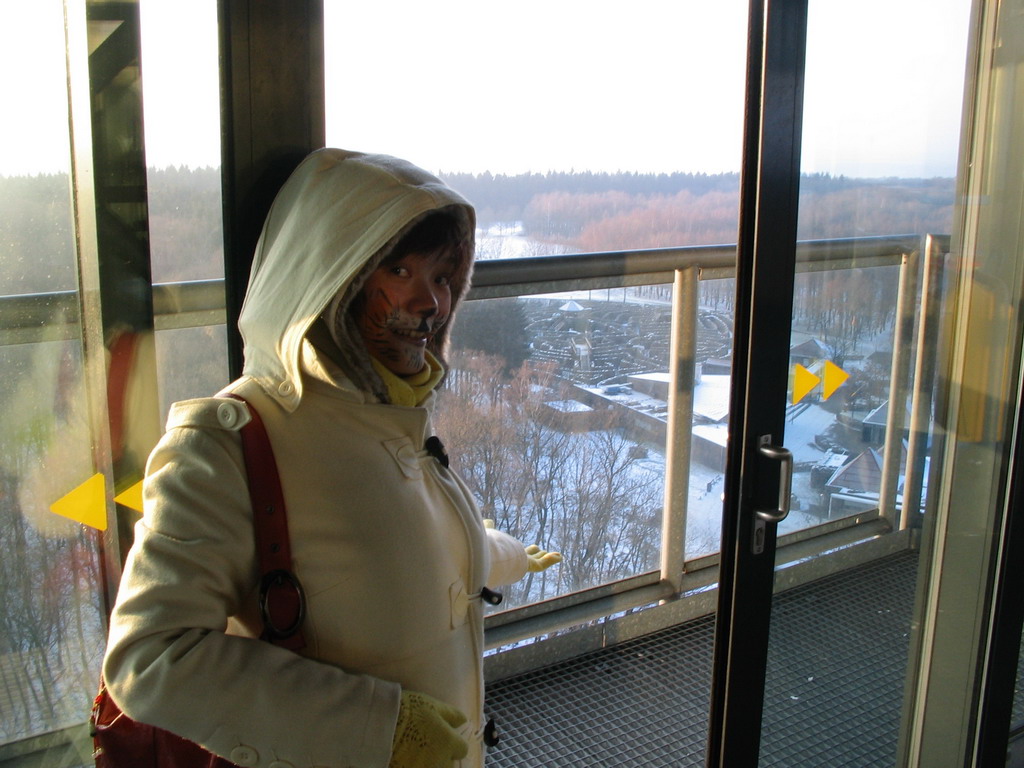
(275, 580)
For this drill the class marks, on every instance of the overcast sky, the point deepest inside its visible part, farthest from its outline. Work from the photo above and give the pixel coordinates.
(473, 85)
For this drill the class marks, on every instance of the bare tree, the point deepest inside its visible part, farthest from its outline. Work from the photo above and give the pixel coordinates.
(580, 492)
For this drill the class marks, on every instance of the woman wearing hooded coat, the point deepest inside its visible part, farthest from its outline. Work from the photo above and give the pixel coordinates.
(385, 539)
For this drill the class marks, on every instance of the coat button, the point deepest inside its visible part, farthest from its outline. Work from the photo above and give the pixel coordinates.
(491, 737)
(244, 756)
(285, 389)
(491, 597)
(227, 415)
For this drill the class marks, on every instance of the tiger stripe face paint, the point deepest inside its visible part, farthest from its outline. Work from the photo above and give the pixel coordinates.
(403, 304)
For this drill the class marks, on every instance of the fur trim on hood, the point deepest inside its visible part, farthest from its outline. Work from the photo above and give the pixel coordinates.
(336, 218)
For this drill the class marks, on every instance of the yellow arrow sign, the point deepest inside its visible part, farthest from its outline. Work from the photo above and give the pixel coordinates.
(834, 377)
(131, 497)
(86, 504)
(803, 382)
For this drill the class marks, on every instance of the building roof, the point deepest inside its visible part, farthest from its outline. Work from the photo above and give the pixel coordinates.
(812, 348)
(711, 397)
(864, 473)
(660, 376)
(880, 415)
(568, 406)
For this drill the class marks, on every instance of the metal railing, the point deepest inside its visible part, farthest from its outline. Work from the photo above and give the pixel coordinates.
(45, 317)
(27, 318)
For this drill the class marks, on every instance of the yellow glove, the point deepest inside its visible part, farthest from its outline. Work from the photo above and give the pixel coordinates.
(538, 559)
(425, 735)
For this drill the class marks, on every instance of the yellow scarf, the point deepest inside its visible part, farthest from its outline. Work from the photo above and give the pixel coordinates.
(410, 390)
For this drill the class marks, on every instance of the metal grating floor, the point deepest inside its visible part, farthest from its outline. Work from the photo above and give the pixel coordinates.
(833, 694)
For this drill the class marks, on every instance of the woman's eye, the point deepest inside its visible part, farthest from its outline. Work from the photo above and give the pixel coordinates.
(400, 271)
(444, 280)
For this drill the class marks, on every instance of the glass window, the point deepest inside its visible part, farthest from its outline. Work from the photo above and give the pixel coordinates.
(184, 184)
(572, 128)
(862, 415)
(557, 423)
(844, 323)
(579, 126)
(191, 362)
(52, 577)
(52, 629)
(865, 175)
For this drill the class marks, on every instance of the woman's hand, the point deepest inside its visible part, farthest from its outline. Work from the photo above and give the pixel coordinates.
(425, 735)
(538, 559)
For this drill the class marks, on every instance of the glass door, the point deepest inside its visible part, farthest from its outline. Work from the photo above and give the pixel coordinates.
(758, 466)
(875, 385)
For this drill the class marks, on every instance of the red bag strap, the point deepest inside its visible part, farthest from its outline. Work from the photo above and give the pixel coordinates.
(282, 601)
(122, 358)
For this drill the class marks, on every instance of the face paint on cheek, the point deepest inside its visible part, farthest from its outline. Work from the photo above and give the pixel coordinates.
(402, 307)
(375, 314)
(379, 306)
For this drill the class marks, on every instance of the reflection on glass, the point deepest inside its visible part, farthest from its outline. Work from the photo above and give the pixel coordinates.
(52, 629)
(52, 632)
(838, 206)
(36, 243)
(843, 318)
(184, 186)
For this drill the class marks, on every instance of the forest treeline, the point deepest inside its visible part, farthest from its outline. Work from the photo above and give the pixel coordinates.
(613, 211)
(503, 198)
(571, 212)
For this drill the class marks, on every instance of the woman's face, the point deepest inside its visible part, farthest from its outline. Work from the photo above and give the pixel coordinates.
(403, 304)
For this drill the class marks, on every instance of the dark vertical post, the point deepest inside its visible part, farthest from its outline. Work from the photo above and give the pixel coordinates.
(766, 262)
(272, 115)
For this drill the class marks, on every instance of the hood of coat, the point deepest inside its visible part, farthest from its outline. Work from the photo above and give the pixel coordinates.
(336, 218)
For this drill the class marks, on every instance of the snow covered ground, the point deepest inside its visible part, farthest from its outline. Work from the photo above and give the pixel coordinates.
(506, 241)
(704, 506)
(711, 400)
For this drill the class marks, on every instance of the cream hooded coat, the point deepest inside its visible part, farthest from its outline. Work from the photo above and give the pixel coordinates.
(387, 542)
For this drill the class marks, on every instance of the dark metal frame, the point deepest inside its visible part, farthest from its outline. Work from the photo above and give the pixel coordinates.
(1000, 665)
(766, 262)
(272, 116)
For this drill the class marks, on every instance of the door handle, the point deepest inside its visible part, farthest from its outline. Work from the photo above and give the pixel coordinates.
(785, 460)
